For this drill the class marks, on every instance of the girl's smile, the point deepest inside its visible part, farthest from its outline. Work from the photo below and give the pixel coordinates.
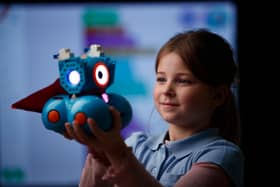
(168, 106)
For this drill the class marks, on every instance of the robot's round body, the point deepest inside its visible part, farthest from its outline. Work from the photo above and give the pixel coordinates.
(61, 108)
(85, 79)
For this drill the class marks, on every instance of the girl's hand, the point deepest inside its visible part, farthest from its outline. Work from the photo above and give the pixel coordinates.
(101, 144)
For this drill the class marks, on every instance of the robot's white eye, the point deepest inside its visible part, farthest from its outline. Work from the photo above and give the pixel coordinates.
(74, 77)
(101, 74)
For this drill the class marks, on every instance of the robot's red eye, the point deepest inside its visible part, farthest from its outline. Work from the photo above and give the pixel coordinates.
(101, 74)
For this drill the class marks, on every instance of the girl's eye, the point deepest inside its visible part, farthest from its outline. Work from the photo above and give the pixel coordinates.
(161, 79)
(183, 81)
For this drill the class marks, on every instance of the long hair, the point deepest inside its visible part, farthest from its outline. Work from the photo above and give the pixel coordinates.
(210, 58)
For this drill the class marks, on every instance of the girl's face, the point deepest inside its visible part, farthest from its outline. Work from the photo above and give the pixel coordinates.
(180, 98)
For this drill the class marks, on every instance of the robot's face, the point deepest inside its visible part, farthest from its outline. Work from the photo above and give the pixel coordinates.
(91, 72)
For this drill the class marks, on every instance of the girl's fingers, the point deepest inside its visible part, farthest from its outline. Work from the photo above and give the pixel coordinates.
(72, 132)
(116, 118)
(80, 134)
(69, 131)
(67, 136)
(95, 129)
(99, 133)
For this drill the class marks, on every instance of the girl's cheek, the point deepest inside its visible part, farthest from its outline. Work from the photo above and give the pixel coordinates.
(156, 93)
(155, 96)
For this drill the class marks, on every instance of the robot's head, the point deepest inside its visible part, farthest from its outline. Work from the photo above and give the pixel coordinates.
(92, 72)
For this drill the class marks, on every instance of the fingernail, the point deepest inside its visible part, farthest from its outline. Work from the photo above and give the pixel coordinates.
(90, 120)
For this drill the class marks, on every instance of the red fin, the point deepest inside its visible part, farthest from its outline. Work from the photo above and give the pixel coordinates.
(35, 102)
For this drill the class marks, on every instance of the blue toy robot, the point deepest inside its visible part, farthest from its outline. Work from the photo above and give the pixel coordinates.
(85, 79)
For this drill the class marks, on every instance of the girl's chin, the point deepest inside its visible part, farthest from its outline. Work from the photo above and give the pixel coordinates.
(169, 118)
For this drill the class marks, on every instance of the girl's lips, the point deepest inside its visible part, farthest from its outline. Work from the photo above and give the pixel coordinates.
(169, 104)
(168, 107)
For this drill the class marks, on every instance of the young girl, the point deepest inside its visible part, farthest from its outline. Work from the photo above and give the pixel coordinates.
(192, 93)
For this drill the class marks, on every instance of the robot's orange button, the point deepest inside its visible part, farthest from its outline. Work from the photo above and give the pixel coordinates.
(80, 118)
(53, 116)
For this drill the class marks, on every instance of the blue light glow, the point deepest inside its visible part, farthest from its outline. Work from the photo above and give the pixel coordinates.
(74, 77)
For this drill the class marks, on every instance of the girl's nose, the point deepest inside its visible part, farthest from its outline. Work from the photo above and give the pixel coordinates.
(168, 89)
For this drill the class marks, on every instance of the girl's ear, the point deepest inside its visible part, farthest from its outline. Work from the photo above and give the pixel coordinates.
(221, 94)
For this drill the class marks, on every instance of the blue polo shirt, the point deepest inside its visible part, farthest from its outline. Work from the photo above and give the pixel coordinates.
(168, 162)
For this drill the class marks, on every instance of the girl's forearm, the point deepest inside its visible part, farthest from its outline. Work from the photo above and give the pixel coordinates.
(92, 173)
(127, 171)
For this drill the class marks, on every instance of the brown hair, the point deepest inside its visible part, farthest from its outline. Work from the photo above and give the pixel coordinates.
(210, 58)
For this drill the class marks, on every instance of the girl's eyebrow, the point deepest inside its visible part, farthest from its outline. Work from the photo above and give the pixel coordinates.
(160, 72)
(178, 74)
(184, 74)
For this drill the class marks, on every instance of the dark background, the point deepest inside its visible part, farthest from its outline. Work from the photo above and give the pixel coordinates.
(257, 46)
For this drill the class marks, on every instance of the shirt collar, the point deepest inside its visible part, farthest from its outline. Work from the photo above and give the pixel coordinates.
(154, 142)
(183, 147)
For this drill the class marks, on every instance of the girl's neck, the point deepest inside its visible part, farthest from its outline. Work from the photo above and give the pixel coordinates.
(176, 132)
